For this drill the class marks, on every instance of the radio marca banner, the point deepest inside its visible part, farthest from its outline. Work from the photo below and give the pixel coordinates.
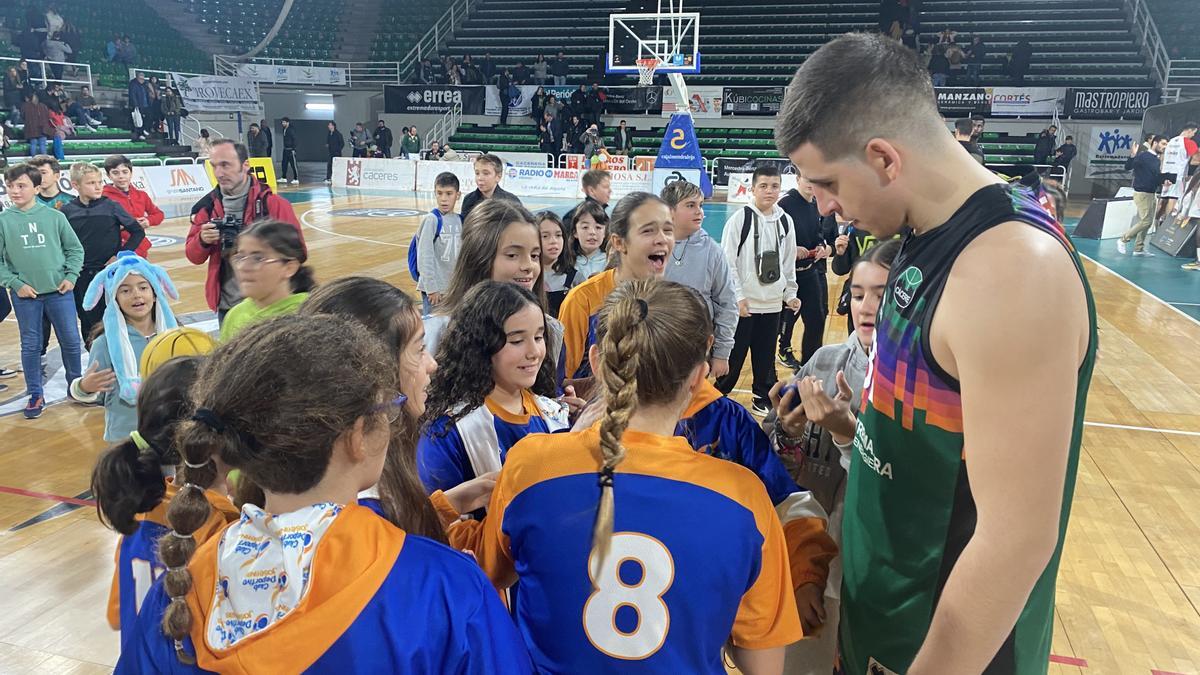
(215, 93)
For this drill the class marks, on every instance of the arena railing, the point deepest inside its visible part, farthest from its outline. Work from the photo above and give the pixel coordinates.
(356, 73)
(1183, 79)
(438, 33)
(35, 65)
(1147, 31)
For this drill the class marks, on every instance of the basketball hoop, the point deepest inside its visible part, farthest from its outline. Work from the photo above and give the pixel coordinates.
(646, 68)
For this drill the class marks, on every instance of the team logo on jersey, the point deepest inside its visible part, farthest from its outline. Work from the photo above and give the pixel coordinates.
(866, 451)
(906, 286)
(874, 668)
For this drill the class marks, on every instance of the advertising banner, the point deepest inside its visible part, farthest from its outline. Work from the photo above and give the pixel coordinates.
(520, 101)
(632, 100)
(615, 162)
(282, 74)
(1110, 103)
(705, 101)
(431, 99)
(681, 150)
(752, 100)
(963, 101)
(1107, 150)
(530, 159)
(428, 170)
(183, 183)
(542, 182)
(215, 93)
(368, 173)
(625, 182)
(1026, 101)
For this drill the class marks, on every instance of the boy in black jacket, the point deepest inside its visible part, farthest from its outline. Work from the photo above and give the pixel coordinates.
(97, 222)
(815, 236)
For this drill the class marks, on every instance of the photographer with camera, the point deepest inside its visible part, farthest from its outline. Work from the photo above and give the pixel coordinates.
(238, 200)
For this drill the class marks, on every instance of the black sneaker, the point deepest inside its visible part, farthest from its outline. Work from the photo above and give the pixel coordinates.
(788, 358)
(760, 409)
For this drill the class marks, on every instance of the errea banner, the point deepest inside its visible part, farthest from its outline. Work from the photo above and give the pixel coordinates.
(216, 93)
(431, 99)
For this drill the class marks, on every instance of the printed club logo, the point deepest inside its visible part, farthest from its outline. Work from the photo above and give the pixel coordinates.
(353, 173)
(512, 172)
(906, 286)
(181, 178)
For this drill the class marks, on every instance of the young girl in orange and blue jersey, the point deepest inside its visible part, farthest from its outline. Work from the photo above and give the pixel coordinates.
(311, 580)
(611, 530)
(494, 387)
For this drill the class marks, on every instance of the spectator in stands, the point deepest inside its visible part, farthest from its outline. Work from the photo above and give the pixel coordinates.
(560, 69)
(579, 99)
(454, 77)
(948, 36)
(288, 157)
(1044, 147)
(504, 93)
(172, 110)
(256, 142)
(54, 20)
(383, 139)
(470, 72)
(264, 128)
(91, 109)
(541, 70)
(238, 192)
(1147, 179)
(537, 106)
(203, 147)
(591, 142)
(31, 41)
(1019, 60)
(110, 48)
(335, 144)
(622, 140)
(552, 126)
(977, 124)
(955, 55)
(411, 142)
(423, 74)
(976, 53)
(521, 73)
(126, 52)
(595, 106)
(435, 151)
(572, 135)
(13, 93)
(444, 64)
(449, 154)
(939, 65)
(154, 91)
(57, 50)
(27, 84)
(545, 139)
(1065, 154)
(962, 134)
(488, 69)
(359, 139)
(37, 124)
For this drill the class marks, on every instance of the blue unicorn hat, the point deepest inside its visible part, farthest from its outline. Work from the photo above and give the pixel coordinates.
(120, 350)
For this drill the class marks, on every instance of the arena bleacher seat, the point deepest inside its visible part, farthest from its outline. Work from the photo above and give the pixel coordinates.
(1178, 26)
(309, 32)
(401, 26)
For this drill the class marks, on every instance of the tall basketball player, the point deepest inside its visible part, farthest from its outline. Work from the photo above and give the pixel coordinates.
(968, 438)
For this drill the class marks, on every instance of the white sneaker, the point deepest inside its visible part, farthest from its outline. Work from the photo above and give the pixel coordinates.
(1121, 248)
(1143, 254)
(295, 181)
(327, 181)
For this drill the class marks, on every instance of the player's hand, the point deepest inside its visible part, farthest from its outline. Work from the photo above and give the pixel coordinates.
(473, 494)
(435, 299)
(832, 414)
(95, 380)
(821, 252)
(794, 305)
(743, 308)
(144, 222)
(802, 253)
(65, 286)
(718, 367)
(841, 244)
(810, 600)
(590, 415)
(26, 291)
(209, 234)
(790, 417)
(573, 402)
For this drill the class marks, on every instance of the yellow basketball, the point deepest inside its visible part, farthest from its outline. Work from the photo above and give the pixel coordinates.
(182, 341)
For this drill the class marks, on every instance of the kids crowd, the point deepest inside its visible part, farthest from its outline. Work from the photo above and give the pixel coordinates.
(546, 408)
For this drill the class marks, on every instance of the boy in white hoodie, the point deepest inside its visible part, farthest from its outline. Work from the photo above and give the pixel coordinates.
(760, 244)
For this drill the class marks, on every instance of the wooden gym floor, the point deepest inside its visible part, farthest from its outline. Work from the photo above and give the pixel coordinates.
(1129, 586)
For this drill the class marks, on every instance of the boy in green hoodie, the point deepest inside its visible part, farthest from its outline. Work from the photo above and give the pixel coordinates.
(40, 259)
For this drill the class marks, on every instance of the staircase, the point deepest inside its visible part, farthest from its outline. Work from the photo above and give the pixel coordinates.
(356, 18)
(191, 29)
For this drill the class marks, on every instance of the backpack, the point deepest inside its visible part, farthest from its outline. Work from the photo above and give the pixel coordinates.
(412, 246)
(748, 220)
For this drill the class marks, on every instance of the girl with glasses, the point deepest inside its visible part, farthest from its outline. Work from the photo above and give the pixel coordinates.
(271, 275)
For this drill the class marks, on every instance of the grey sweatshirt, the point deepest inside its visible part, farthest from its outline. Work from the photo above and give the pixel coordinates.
(436, 254)
(699, 262)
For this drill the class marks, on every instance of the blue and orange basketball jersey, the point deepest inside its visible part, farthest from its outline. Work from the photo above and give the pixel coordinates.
(137, 555)
(697, 557)
(449, 455)
(579, 313)
(378, 601)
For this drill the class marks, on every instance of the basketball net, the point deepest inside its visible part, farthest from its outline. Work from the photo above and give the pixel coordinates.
(646, 68)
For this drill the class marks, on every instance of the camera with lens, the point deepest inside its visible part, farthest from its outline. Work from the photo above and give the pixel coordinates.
(229, 227)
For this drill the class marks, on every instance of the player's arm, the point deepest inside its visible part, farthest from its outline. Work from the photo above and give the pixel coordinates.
(1013, 327)
(154, 214)
(574, 317)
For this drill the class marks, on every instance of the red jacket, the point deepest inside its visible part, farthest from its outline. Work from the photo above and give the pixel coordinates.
(138, 204)
(260, 203)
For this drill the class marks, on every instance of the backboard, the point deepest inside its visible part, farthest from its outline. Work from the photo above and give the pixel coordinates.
(672, 38)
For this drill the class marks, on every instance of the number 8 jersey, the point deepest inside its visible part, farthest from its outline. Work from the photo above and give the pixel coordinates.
(697, 556)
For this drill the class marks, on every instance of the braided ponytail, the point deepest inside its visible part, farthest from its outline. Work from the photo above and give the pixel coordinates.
(647, 338)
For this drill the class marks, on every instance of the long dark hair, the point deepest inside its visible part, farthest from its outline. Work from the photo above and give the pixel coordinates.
(390, 315)
(284, 239)
(474, 335)
(477, 254)
(127, 480)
